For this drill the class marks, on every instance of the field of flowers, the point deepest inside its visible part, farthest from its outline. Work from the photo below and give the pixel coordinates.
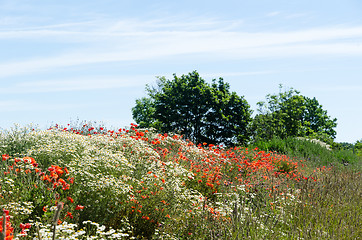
(90, 183)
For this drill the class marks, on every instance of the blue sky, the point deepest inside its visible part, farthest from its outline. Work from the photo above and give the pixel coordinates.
(90, 60)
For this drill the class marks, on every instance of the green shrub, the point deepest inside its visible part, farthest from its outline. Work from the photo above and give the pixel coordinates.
(315, 153)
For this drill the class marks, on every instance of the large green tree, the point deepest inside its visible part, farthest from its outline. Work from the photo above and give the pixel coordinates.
(200, 111)
(291, 114)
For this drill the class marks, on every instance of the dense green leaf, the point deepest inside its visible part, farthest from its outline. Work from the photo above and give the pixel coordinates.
(291, 114)
(200, 111)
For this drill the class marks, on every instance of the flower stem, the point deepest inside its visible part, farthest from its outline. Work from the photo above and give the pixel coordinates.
(56, 218)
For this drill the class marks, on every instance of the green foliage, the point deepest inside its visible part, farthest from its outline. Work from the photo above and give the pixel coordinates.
(291, 114)
(358, 147)
(317, 119)
(200, 111)
(143, 113)
(355, 148)
(314, 152)
(343, 145)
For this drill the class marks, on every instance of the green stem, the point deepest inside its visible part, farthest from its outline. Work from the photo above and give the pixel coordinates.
(38, 230)
(56, 218)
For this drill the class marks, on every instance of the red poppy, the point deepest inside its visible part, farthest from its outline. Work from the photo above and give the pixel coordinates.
(70, 199)
(79, 207)
(69, 214)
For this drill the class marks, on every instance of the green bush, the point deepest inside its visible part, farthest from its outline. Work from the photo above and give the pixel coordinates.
(311, 151)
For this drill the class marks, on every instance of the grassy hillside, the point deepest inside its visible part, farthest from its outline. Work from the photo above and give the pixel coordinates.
(316, 154)
(136, 184)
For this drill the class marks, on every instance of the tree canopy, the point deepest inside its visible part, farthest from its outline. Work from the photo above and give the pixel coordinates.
(358, 147)
(200, 111)
(291, 114)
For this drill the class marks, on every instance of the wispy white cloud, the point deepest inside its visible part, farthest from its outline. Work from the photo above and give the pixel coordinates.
(24, 105)
(272, 14)
(98, 83)
(288, 15)
(75, 84)
(115, 30)
(338, 88)
(8, 104)
(122, 41)
(95, 30)
(235, 74)
(296, 15)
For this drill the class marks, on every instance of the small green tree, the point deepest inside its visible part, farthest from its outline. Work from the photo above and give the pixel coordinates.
(320, 124)
(358, 147)
(291, 114)
(200, 111)
(143, 112)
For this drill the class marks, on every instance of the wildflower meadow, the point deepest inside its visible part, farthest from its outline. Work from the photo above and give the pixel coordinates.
(93, 183)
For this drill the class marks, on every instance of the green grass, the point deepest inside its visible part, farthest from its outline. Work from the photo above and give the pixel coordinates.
(316, 154)
(143, 185)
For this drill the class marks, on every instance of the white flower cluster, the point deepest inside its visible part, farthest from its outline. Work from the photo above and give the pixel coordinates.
(108, 169)
(94, 160)
(92, 231)
(286, 199)
(6, 184)
(56, 145)
(16, 208)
